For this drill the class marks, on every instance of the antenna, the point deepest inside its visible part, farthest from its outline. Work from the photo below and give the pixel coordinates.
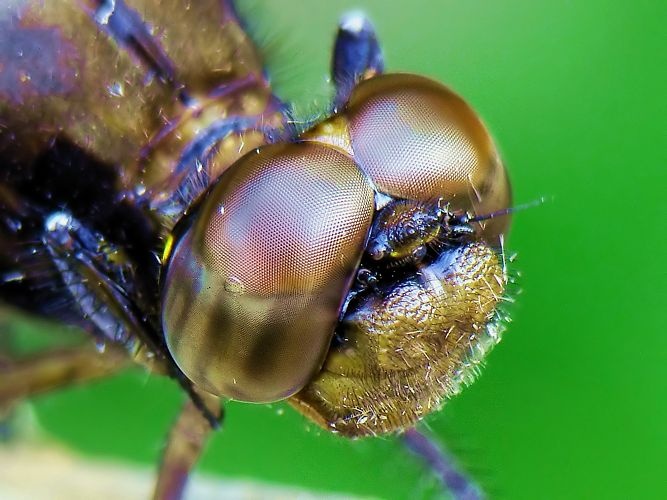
(508, 211)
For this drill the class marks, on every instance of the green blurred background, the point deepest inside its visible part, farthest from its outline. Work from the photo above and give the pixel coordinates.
(573, 402)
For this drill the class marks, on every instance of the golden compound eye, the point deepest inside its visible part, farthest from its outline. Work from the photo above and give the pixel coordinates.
(255, 283)
(418, 140)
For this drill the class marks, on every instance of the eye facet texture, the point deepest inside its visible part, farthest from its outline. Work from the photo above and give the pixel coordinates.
(416, 139)
(254, 286)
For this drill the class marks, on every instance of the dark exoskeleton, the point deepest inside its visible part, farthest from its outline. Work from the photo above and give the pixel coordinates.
(135, 174)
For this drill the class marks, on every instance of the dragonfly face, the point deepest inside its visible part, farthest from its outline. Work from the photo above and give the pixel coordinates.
(348, 268)
(266, 271)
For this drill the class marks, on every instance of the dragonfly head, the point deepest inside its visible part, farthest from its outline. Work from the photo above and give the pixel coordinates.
(346, 270)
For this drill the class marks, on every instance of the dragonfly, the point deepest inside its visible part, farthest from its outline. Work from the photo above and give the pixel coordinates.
(156, 193)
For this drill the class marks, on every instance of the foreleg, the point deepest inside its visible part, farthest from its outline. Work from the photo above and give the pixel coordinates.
(184, 446)
(26, 377)
(357, 55)
(455, 481)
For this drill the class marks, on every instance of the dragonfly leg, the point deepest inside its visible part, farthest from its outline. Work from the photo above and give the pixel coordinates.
(184, 446)
(357, 55)
(441, 463)
(22, 378)
(86, 270)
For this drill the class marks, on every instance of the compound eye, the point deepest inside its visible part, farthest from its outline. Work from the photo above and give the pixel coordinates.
(254, 285)
(418, 140)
